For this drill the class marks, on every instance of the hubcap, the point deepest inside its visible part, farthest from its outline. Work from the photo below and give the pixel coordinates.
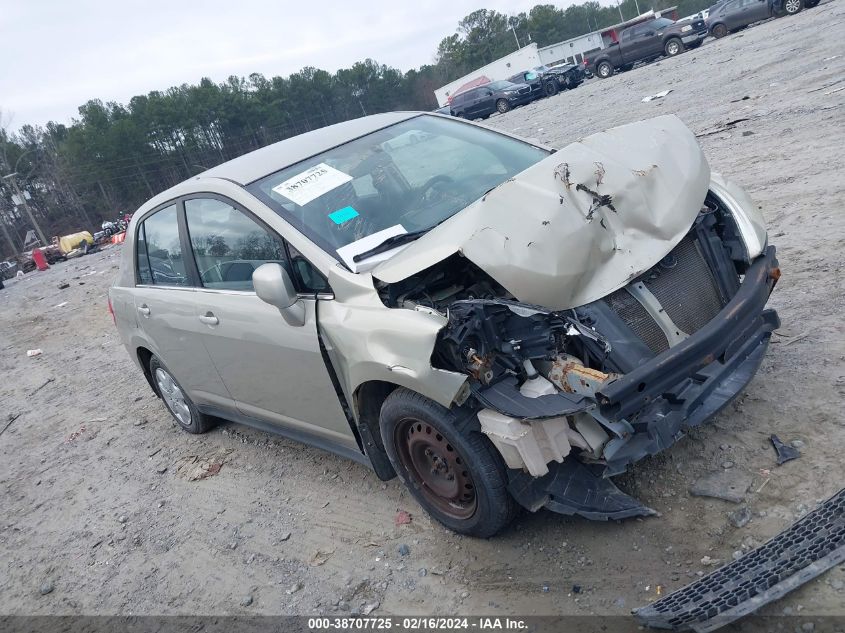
(436, 468)
(173, 397)
(792, 6)
(604, 71)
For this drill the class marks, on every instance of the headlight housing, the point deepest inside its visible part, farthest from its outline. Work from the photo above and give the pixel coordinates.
(749, 220)
(686, 28)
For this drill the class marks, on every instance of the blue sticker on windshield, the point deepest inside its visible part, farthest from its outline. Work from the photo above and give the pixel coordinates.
(343, 215)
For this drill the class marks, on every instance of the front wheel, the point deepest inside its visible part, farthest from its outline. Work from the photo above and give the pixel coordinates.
(719, 30)
(791, 7)
(550, 88)
(457, 477)
(502, 106)
(177, 401)
(604, 70)
(673, 47)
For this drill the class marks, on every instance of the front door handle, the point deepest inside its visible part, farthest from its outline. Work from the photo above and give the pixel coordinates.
(144, 309)
(209, 319)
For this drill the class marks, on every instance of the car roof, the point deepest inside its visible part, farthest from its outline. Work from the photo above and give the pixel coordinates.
(266, 160)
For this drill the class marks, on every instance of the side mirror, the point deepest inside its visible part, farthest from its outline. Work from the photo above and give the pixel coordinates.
(273, 285)
(488, 92)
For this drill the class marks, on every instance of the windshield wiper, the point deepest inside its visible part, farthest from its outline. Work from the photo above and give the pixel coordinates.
(390, 243)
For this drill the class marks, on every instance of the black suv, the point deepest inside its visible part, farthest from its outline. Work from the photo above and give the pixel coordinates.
(497, 96)
(549, 80)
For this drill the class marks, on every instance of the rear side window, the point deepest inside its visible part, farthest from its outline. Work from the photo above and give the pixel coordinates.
(158, 250)
(228, 245)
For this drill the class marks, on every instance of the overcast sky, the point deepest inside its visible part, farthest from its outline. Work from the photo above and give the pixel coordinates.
(57, 54)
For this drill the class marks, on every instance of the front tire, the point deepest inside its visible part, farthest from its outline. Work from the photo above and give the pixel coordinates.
(673, 47)
(503, 106)
(604, 70)
(719, 30)
(551, 88)
(177, 401)
(457, 477)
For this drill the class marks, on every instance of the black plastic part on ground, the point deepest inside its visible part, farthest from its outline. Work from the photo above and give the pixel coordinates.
(812, 545)
(572, 488)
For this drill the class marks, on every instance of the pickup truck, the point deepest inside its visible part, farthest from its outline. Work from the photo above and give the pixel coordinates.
(646, 41)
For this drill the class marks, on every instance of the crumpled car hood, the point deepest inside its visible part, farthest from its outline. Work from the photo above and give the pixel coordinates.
(580, 224)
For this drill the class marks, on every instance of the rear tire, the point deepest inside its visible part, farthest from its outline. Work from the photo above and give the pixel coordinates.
(604, 70)
(457, 477)
(177, 401)
(719, 30)
(673, 47)
(791, 7)
(503, 106)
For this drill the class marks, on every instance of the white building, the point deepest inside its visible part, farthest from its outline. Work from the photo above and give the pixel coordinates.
(571, 51)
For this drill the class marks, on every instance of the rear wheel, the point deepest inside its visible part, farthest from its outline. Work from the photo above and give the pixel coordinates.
(503, 106)
(550, 88)
(458, 477)
(604, 70)
(791, 7)
(719, 30)
(673, 47)
(177, 401)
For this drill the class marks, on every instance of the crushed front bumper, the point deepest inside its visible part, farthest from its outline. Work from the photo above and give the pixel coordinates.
(691, 382)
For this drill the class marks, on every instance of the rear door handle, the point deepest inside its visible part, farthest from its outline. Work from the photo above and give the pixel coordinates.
(209, 319)
(144, 309)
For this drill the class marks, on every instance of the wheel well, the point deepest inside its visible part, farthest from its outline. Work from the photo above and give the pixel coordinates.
(367, 400)
(144, 356)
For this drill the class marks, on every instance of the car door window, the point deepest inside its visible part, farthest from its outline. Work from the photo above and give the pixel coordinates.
(159, 251)
(228, 245)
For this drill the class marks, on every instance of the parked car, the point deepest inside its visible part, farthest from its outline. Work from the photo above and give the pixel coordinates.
(496, 323)
(549, 80)
(646, 41)
(482, 101)
(737, 14)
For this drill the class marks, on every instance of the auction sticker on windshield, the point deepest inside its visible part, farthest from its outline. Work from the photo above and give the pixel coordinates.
(311, 184)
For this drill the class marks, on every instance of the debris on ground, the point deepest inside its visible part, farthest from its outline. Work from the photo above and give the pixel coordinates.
(369, 607)
(740, 517)
(246, 601)
(729, 485)
(12, 418)
(319, 558)
(75, 434)
(33, 352)
(785, 453)
(401, 518)
(40, 387)
(658, 95)
(404, 550)
(721, 127)
(46, 587)
(64, 285)
(294, 588)
(196, 467)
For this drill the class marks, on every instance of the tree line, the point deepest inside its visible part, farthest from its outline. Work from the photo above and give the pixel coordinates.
(112, 156)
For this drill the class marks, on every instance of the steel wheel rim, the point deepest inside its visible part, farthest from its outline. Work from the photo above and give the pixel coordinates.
(173, 397)
(604, 70)
(673, 48)
(436, 467)
(792, 6)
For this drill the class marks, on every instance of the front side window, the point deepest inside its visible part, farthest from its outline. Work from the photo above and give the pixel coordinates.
(158, 250)
(384, 182)
(228, 245)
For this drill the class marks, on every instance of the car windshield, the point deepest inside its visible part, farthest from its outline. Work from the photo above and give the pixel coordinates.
(405, 178)
(501, 85)
(661, 23)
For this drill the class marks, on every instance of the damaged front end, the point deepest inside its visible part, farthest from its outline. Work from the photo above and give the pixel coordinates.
(584, 357)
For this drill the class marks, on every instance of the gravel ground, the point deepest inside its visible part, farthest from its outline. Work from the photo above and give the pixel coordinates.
(101, 513)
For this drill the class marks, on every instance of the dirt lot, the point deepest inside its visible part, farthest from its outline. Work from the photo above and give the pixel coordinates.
(100, 515)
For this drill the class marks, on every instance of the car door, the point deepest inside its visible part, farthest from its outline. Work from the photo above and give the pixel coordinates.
(274, 371)
(165, 307)
(474, 103)
(757, 10)
(734, 15)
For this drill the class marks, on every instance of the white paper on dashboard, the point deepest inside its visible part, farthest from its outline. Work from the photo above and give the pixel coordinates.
(366, 243)
(311, 184)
